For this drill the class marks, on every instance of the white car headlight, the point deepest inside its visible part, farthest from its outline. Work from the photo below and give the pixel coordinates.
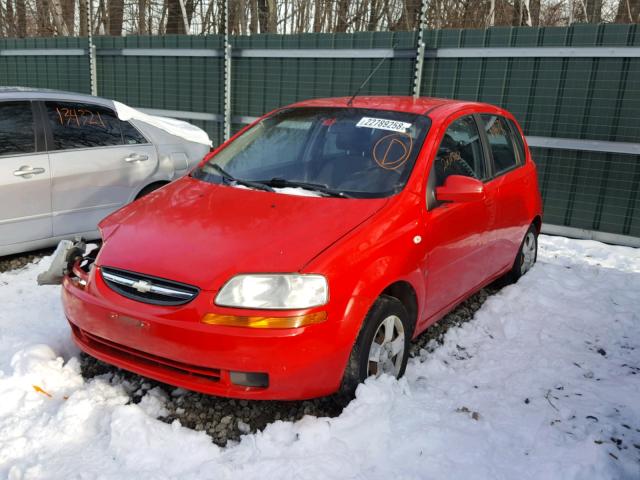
(274, 291)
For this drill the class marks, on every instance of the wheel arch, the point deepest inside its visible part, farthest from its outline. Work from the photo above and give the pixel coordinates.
(537, 222)
(150, 187)
(406, 294)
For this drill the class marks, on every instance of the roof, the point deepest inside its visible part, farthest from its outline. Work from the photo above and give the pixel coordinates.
(16, 89)
(408, 104)
(29, 93)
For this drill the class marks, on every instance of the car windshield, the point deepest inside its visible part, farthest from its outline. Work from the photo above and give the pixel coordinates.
(345, 152)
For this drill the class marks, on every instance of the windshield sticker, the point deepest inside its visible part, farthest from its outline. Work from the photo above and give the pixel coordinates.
(393, 150)
(383, 124)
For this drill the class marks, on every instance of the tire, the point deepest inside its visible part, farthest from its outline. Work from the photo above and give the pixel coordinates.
(387, 314)
(527, 255)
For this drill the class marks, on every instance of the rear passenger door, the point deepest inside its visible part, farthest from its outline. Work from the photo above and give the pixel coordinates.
(511, 182)
(98, 163)
(25, 182)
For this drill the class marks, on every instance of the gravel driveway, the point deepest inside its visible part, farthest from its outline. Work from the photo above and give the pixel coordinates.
(19, 260)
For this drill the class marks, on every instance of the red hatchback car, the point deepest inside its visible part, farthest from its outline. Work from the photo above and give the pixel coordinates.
(304, 254)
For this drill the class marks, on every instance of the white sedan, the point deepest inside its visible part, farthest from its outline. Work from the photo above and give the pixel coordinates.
(67, 160)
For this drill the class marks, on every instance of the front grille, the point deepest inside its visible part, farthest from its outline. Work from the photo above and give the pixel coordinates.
(148, 289)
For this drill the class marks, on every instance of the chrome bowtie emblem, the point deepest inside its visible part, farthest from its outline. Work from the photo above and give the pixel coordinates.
(142, 286)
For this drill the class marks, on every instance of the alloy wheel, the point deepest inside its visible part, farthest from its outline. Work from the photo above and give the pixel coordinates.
(387, 348)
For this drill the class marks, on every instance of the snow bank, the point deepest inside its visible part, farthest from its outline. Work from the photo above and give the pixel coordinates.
(543, 383)
(175, 127)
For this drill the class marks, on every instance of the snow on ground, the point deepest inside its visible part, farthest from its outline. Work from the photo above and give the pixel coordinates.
(544, 383)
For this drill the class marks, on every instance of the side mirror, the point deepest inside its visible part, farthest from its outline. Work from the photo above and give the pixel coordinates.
(458, 188)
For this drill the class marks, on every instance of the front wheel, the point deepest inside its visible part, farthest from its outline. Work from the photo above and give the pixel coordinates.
(527, 255)
(381, 347)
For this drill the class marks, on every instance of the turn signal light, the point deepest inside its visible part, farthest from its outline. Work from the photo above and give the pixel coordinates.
(265, 322)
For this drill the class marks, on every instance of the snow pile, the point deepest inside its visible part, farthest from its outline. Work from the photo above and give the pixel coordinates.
(175, 127)
(543, 383)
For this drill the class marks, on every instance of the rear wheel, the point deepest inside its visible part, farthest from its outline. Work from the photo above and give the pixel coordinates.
(527, 255)
(381, 347)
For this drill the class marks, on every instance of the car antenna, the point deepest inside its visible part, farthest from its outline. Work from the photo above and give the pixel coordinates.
(393, 47)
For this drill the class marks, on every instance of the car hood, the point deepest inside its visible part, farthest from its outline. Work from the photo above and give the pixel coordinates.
(202, 234)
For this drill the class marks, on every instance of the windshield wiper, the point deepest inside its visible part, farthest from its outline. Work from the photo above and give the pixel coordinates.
(231, 179)
(316, 187)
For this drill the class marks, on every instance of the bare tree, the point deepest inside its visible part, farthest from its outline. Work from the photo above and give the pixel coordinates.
(10, 19)
(21, 14)
(253, 16)
(42, 18)
(534, 12)
(157, 17)
(175, 22)
(57, 17)
(142, 17)
(115, 20)
(628, 11)
(263, 15)
(341, 13)
(592, 10)
(69, 15)
(83, 16)
(409, 18)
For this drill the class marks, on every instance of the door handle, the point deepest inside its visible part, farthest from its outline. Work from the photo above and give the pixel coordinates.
(136, 157)
(27, 171)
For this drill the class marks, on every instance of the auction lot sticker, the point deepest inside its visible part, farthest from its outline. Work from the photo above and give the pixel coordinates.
(382, 124)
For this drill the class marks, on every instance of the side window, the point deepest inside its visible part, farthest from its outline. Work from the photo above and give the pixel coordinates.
(500, 142)
(460, 152)
(519, 143)
(16, 128)
(79, 125)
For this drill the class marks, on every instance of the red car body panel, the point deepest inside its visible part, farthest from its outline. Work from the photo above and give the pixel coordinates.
(203, 234)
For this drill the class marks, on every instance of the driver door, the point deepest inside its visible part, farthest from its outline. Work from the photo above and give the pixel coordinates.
(457, 235)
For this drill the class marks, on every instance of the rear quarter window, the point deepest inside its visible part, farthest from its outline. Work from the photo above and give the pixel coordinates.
(131, 135)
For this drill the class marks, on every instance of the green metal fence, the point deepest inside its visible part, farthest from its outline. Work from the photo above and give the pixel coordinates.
(176, 82)
(58, 70)
(586, 98)
(575, 90)
(262, 83)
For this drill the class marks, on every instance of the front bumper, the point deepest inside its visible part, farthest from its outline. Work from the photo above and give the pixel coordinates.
(172, 345)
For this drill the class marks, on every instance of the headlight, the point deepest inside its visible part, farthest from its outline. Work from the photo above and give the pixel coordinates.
(274, 291)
